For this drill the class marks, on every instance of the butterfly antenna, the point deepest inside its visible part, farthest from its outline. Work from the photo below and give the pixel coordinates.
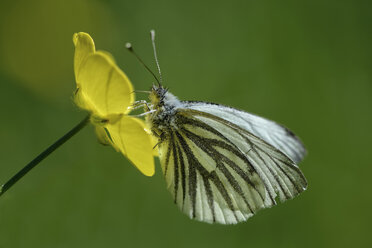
(152, 32)
(130, 48)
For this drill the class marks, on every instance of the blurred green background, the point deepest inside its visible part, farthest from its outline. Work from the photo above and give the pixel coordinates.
(306, 64)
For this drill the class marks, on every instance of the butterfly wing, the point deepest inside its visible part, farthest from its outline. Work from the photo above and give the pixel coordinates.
(220, 172)
(271, 132)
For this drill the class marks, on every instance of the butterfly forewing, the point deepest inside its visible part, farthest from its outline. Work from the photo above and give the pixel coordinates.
(273, 133)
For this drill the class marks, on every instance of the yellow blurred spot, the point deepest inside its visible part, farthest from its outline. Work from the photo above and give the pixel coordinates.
(35, 42)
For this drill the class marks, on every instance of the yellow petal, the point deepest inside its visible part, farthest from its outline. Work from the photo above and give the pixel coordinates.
(129, 137)
(104, 89)
(102, 136)
(108, 54)
(154, 143)
(84, 46)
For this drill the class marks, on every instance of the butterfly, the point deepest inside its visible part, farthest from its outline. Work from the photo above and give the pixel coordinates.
(221, 164)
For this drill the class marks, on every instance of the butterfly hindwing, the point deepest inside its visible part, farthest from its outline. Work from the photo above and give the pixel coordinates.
(219, 172)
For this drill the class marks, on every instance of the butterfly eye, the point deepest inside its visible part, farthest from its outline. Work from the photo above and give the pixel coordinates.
(154, 96)
(159, 92)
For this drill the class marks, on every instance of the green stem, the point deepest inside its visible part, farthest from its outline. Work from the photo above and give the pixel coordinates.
(43, 155)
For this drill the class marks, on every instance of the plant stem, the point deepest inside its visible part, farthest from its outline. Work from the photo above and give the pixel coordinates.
(43, 155)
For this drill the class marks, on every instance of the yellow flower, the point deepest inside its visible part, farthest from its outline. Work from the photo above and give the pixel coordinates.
(106, 92)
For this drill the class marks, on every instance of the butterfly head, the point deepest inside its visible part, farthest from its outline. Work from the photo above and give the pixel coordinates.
(161, 97)
(157, 95)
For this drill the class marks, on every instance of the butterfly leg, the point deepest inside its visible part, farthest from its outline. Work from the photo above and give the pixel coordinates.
(161, 137)
(138, 104)
(146, 113)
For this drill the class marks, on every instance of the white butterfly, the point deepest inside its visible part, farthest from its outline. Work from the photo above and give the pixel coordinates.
(222, 164)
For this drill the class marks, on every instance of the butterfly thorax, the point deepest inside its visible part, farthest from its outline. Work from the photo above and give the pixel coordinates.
(165, 105)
